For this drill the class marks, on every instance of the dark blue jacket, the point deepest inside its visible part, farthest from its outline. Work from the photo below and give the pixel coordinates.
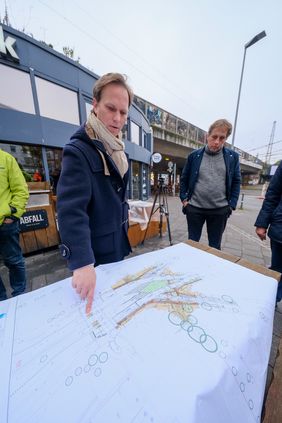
(92, 207)
(191, 169)
(270, 214)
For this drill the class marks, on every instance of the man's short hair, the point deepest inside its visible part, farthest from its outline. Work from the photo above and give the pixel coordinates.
(221, 122)
(112, 78)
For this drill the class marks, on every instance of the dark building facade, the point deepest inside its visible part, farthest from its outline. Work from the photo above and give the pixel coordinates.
(44, 97)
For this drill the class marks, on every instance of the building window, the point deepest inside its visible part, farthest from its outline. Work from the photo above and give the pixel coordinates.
(125, 131)
(54, 160)
(15, 90)
(56, 102)
(29, 159)
(145, 175)
(144, 139)
(135, 180)
(135, 133)
(88, 108)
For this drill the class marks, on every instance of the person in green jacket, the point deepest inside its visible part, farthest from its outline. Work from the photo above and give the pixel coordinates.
(13, 199)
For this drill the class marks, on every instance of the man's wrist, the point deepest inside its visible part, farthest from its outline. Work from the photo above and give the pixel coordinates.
(12, 218)
(83, 267)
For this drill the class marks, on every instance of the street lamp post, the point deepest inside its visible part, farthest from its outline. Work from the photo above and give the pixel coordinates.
(254, 40)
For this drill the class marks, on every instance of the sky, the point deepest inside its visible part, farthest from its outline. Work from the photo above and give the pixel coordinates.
(183, 55)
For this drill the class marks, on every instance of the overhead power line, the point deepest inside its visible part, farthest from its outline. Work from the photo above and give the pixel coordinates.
(263, 146)
(120, 40)
(276, 153)
(166, 88)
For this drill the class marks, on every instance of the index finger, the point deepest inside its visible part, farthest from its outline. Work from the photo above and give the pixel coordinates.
(89, 300)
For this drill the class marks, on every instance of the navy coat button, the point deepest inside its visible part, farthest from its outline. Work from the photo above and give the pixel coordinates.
(65, 251)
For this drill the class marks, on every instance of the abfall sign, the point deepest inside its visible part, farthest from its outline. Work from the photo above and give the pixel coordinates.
(7, 46)
(33, 220)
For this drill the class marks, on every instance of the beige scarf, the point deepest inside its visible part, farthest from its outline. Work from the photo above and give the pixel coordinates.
(114, 146)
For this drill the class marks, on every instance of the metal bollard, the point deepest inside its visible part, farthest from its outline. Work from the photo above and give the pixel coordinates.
(242, 201)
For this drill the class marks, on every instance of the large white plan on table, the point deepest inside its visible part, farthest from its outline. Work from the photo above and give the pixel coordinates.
(178, 335)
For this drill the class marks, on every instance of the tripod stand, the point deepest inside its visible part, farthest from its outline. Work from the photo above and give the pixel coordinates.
(161, 196)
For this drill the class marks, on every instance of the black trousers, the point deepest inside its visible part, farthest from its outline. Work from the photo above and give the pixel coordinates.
(215, 220)
(276, 263)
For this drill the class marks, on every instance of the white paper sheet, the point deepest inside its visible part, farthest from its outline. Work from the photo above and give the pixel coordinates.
(177, 335)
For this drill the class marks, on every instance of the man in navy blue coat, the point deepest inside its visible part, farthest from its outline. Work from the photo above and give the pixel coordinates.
(270, 218)
(210, 185)
(92, 207)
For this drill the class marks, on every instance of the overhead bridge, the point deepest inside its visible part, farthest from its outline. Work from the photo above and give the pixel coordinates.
(176, 148)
